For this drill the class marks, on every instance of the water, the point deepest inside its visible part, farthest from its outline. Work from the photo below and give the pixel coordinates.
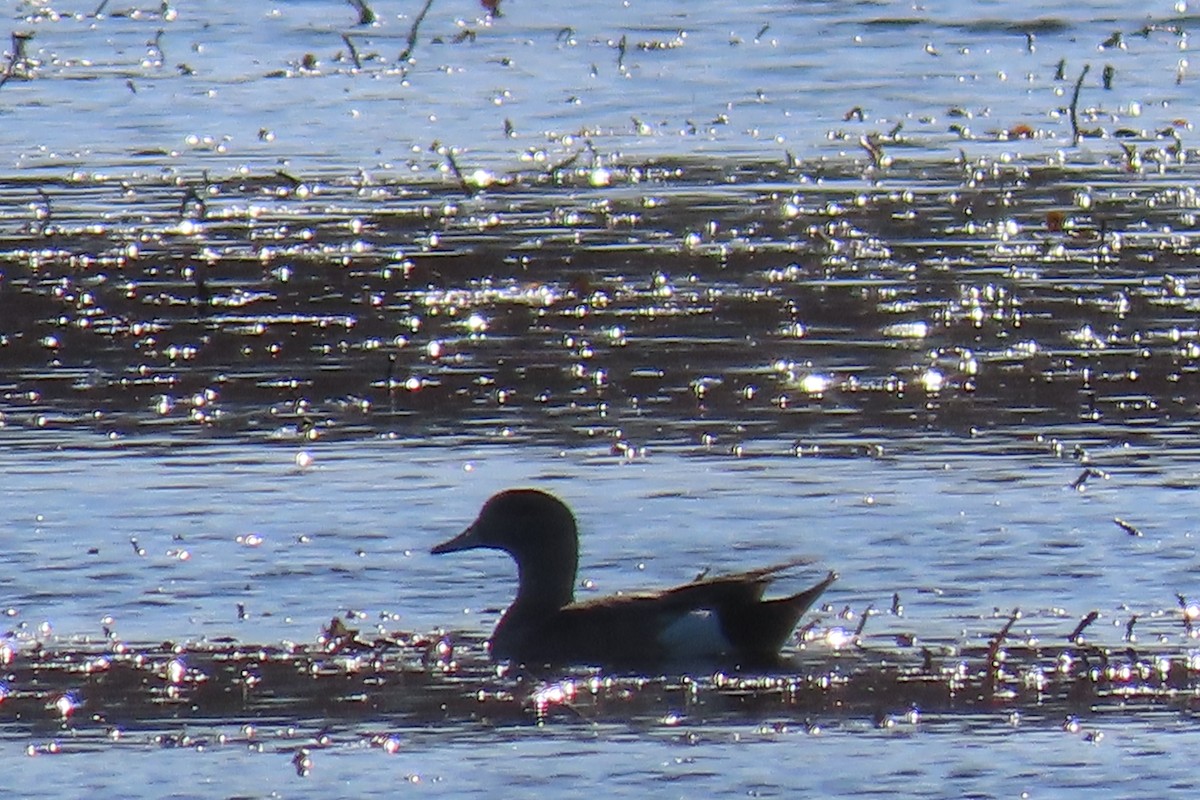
(987, 761)
(963, 533)
(696, 77)
(967, 528)
(271, 326)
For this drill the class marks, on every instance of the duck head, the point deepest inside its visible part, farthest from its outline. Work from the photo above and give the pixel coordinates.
(539, 532)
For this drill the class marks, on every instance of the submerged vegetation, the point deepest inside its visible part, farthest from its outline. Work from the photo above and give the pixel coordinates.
(665, 300)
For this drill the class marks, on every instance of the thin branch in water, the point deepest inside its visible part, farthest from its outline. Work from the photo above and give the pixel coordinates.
(1075, 134)
(192, 206)
(353, 51)
(415, 31)
(287, 176)
(365, 15)
(1188, 615)
(156, 43)
(1132, 530)
(18, 56)
(467, 188)
(47, 210)
(862, 621)
(993, 656)
(1091, 617)
(870, 142)
(567, 162)
(100, 8)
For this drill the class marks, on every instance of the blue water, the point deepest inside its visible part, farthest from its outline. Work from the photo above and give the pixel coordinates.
(958, 527)
(697, 77)
(973, 758)
(963, 530)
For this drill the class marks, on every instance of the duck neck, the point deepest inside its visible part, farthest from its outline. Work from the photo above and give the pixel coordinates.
(546, 576)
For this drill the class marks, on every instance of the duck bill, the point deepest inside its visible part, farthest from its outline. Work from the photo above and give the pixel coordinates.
(466, 540)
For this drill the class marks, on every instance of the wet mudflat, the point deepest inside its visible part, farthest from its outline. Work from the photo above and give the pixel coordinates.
(908, 290)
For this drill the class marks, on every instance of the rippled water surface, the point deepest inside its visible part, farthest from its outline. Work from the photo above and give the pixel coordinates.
(112, 549)
(908, 289)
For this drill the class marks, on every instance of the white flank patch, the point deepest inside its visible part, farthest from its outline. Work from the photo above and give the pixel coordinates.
(695, 634)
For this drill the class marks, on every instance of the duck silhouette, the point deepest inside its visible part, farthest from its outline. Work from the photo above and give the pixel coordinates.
(722, 620)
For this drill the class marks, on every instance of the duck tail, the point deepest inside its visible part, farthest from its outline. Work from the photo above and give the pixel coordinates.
(761, 629)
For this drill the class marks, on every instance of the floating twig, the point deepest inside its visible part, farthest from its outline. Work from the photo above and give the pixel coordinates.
(1125, 526)
(1087, 474)
(415, 31)
(621, 47)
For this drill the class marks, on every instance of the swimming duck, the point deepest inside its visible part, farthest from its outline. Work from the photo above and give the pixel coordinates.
(722, 619)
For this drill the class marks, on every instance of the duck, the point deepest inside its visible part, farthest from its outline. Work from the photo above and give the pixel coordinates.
(722, 620)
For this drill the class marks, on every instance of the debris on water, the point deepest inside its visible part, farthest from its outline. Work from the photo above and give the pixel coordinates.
(1127, 527)
(1080, 483)
(303, 762)
(1075, 635)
